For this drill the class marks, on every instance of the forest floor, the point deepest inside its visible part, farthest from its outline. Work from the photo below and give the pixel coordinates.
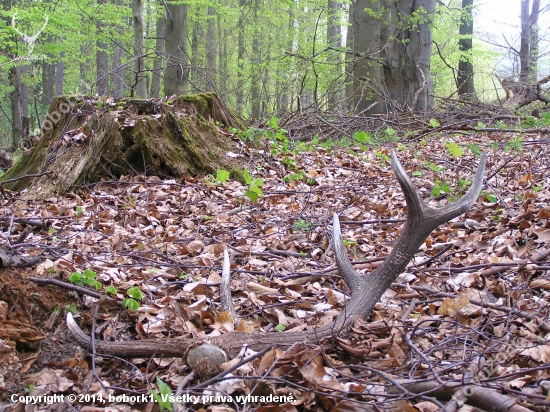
(471, 309)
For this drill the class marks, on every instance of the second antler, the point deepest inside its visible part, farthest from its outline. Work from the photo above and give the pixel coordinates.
(366, 290)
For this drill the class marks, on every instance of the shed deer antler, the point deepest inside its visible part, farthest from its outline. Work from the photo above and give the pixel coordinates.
(366, 290)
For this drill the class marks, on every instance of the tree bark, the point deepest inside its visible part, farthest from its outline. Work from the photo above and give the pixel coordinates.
(102, 58)
(140, 85)
(15, 99)
(524, 52)
(117, 70)
(255, 94)
(350, 58)
(177, 63)
(240, 61)
(367, 71)
(48, 84)
(60, 75)
(534, 27)
(465, 78)
(159, 56)
(407, 65)
(334, 40)
(211, 50)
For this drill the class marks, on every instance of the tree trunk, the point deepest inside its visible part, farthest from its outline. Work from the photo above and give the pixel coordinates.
(367, 72)
(407, 65)
(255, 94)
(465, 78)
(534, 26)
(334, 40)
(60, 75)
(524, 52)
(211, 49)
(15, 99)
(222, 57)
(177, 63)
(48, 84)
(117, 70)
(140, 85)
(350, 59)
(196, 78)
(159, 52)
(102, 59)
(24, 99)
(82, 143)
(240, 61)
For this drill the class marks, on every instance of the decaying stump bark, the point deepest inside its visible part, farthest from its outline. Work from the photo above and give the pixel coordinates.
(85, 140)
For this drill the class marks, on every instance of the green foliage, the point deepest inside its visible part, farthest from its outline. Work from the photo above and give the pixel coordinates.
(222, 176)
(515, 145)
(434, 123)
(254, 191)
(134, 296)
(280, 327)
(475, 149)
(363, 137)
(454, 149)
(88, 277)
(111, 290)
(440, 187)
(162, 396)
(302, 225)
(71, 308)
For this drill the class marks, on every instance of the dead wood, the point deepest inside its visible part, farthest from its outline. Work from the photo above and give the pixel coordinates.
(85, 141)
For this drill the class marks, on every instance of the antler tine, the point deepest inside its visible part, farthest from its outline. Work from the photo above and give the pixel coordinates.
(421, 221)
(225, 288)
(351, 277)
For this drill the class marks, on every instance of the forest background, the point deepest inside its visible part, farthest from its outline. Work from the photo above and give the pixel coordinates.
(264, 58)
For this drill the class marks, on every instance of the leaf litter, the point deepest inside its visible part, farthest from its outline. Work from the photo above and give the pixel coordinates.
(479, 286)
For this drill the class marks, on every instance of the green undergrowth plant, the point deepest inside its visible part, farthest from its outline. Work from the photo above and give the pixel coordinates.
(134, 296)
(163, 395)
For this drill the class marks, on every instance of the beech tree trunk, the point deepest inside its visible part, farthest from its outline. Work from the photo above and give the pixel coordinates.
(407, 68)
(367, 71)
(334, 40)
(15, 99)
(102, 59)
(48, 84)
(465, 78)
(159, 52)
(240, 61)
(176, 74)
(140, 85)
(525, 39)
(211, 50)
(534, 26)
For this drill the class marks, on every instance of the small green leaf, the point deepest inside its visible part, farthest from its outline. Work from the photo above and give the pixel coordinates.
(253, 196)
(434, 123)
(75, 277)
(280, 327)
(222, 175)
(416, 173)
(491, 198)
(89, 274)
(454, 149)
(71, 308)
(130, 304)
(111, 290)
(135, 292)
(247, 177)
(363, 137)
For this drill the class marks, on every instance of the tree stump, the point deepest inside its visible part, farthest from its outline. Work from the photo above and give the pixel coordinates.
(85, 140)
